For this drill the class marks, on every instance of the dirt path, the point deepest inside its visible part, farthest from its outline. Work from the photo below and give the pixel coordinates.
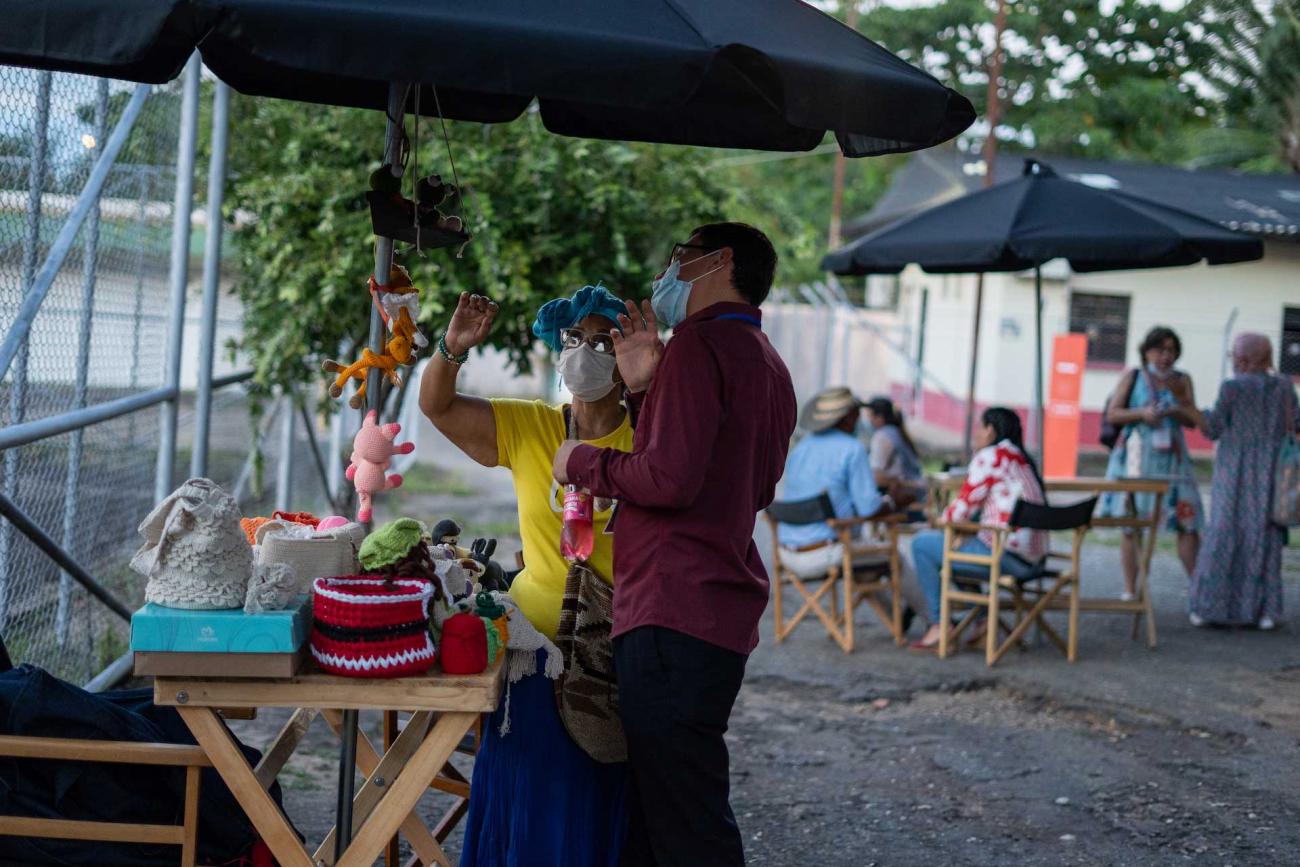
(1182, 755)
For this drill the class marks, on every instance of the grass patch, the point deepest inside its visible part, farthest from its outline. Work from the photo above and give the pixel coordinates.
(428, 481)
(491, 530)
(298, 779)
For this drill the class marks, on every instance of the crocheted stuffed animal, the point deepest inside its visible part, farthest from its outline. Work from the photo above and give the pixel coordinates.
(398, 304)
(396, 352)
(372, 452)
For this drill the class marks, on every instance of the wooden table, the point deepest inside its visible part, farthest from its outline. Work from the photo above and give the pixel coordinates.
(943, 486)
(444, 708)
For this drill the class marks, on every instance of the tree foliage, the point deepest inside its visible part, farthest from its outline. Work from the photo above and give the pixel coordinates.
(1080, 78)
(548, 214)
(1255, 67)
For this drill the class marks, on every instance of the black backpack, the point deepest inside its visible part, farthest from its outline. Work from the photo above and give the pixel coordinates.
(1110, 433)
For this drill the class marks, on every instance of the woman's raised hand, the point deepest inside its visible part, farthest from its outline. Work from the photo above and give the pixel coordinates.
(470, 324)
(638, 348)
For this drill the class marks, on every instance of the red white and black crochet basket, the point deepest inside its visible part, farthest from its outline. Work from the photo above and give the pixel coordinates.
(372, 627)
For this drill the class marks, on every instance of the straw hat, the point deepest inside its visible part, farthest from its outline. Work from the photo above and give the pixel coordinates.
(827, 408)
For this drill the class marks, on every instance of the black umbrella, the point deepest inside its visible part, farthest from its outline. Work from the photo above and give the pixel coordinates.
(765, 74)
(1040, 216)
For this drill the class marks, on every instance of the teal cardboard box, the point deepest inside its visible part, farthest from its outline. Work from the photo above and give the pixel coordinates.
(180, 630)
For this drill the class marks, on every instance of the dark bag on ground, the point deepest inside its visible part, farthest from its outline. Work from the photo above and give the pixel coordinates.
(587, 692)
(1110, 433)
(33, 702)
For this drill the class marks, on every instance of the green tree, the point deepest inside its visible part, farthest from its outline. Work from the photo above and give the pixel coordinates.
(789, 196)
(1255, 67)
(1077, 79)
(548, 215)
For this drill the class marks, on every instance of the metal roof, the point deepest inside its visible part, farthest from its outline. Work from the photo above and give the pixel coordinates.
(1259, 204)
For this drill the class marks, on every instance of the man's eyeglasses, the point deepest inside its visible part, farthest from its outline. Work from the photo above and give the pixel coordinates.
(601, 342)
(680, 249)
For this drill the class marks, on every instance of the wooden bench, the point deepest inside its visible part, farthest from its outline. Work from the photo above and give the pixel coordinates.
(184, 835)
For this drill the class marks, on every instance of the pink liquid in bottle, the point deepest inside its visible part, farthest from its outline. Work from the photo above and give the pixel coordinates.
(578, 537)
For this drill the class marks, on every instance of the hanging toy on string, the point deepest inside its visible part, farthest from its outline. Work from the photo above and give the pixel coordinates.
(427, 222)
(429, 219)
(372, 453)
(398, 304)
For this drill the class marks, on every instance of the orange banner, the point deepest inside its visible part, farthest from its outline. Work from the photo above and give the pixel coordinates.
(1061, 422)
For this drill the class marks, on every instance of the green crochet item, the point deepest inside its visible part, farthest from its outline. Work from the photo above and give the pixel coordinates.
(493, 640)
(487, 607)
(390, 543)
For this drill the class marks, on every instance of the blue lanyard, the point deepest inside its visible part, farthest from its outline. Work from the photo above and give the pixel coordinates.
(743, 317)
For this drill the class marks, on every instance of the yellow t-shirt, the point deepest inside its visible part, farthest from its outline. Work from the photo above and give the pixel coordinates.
(529, 433)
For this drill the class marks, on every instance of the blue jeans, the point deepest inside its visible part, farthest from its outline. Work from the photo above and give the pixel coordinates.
(927, 557)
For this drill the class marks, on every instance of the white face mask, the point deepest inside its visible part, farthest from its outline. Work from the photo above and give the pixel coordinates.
(588, 374)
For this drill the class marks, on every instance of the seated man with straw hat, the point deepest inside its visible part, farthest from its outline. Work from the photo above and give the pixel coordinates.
(831, 459)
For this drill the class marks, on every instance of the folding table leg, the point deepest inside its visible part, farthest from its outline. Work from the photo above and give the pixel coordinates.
(375, 768)
(406, 790)
(392, 855)
(229, 762)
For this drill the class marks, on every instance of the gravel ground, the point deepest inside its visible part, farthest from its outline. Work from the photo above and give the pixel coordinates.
(1182, 755)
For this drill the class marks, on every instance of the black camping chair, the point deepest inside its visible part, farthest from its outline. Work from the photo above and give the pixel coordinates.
(1056, 587)
(864, 571)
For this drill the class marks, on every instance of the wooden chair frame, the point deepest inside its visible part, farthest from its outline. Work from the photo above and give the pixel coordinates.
(1146, 529)
(185, 835)
(1028, 603)
(844, 588)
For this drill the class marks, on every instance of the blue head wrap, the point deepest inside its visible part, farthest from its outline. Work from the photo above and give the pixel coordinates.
(566, 312)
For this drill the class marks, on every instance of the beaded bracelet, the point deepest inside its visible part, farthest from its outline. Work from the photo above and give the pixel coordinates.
(457, 360)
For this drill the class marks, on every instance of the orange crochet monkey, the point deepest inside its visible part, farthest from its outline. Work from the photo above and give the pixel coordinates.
(395, 303)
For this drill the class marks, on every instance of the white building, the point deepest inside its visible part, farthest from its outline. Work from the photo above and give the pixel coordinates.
(1204, 305)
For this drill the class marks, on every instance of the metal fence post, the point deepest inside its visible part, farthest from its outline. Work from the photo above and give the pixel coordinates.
(90, 257)
(182, 205)
(211, 279)
(284, 470)
(31, 254)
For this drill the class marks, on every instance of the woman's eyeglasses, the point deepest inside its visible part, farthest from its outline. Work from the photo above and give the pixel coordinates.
(600, 342)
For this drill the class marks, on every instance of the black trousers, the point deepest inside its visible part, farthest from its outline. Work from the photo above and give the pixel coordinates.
(675, 696)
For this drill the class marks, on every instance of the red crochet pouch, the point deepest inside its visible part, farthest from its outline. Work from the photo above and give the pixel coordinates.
(372, 627)
(297, 518)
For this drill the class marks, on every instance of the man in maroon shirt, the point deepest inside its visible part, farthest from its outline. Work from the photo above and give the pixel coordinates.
(714, 412)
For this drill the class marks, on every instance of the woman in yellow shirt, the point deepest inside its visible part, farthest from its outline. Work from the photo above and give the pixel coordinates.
(539, 799)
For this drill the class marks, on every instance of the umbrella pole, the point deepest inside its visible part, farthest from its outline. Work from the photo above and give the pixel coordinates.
(974, 363)
(1038, 363)
(374, 401)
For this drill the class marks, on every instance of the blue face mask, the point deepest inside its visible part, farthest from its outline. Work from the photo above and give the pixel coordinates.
(669, 293)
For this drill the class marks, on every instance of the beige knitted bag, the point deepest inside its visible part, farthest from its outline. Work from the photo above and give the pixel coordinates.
(321, 554)
(194, 553)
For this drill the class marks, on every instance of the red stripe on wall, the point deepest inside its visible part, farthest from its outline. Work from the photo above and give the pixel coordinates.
(937, 408)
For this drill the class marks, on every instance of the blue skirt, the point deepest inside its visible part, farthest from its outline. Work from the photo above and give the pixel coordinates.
(537, 799)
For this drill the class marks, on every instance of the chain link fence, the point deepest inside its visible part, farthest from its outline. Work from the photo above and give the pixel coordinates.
(100, 335)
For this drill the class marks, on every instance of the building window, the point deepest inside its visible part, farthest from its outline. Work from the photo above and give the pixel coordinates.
(1289, 354)
(1104, 320)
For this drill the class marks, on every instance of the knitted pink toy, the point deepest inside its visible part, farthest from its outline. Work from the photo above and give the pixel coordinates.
(372, 450)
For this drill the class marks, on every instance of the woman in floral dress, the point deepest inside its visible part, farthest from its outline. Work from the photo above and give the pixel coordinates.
(1238, 578)
(1151, 445)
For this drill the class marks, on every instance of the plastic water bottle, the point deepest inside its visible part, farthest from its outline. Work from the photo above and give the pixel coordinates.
(578, 537)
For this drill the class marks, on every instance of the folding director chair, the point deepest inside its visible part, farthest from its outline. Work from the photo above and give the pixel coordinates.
(1057, 587)
(865, 570)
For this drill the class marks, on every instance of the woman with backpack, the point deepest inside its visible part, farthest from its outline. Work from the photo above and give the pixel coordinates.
(1150, 409)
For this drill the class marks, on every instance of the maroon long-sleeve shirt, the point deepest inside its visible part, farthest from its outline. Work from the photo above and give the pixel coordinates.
(711, 438)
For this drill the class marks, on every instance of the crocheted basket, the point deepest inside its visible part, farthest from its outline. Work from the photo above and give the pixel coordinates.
(372, 627)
